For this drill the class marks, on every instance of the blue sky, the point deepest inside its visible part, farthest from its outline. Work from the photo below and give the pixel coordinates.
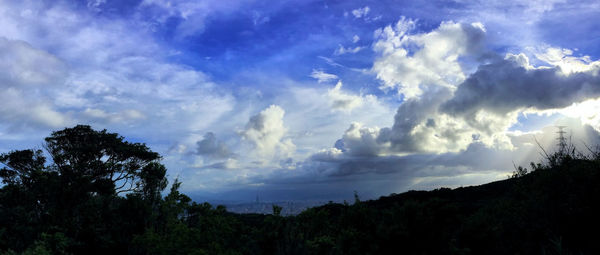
(299, 100)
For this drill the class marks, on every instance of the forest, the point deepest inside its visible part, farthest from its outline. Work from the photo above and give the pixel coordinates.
(93, 192)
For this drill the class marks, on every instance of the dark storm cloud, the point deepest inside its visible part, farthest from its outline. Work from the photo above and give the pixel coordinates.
(414, 165)
(505, 85)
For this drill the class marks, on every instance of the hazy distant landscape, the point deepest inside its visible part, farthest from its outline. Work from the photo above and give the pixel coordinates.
(288, 208)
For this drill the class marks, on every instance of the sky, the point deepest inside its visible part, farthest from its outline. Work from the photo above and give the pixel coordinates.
(307, 100)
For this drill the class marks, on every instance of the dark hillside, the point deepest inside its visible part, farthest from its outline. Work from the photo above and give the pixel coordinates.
(552, 210)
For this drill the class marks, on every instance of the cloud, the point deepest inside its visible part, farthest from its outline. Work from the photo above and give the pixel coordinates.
(477, 158)
(323, 76)
(411, 63)
(95, 5)
(355, 38)
(124, 116)
(107, 72)
(24, 73)
(230, 163)
(20, 112)
(426, 70)
(342, 101)
(362, 141)
(506, 85)
(211, 148)
(586, 112)
(23, 66)
(361, 12)
(442, 115)
(265, 131)
(190, 17)
(259, 19)
(419, 127)
(564, 59)
(342, 50)
(333, 170)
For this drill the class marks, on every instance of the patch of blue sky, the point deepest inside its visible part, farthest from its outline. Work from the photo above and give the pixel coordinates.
(532, 122)
(572, 29)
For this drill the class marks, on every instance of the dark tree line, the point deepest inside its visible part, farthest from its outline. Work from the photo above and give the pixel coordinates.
(92, 192)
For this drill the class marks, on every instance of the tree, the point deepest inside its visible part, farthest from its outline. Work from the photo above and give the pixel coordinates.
(104, 159)
(21, 167)
(73, 188)
(152, 181)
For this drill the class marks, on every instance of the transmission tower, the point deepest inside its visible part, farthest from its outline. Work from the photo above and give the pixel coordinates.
(562, 140)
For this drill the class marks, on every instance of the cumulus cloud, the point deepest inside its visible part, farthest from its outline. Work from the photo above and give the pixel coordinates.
(413, 62)
(266, 132)
(419, 127)
(322, 76)
(446, 110)
(443, 111)
(457, 115)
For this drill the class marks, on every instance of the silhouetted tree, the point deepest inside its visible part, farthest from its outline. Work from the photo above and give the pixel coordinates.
(104, 159)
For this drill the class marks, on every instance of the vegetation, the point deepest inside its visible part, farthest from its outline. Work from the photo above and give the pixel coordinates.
(98, 194)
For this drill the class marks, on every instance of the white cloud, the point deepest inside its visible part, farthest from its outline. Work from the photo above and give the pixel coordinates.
(267, 133)
(23, 66)
(316, 123)
(123, 116)
(25, 74)
(322, 76)
(411, 63)
(355, 39)
(341, 101)
(446, 110)
(586, 112)
(105, 72)
(18, 112)
(361, 12)
(419, 127)
(568, 63)
(342, 50)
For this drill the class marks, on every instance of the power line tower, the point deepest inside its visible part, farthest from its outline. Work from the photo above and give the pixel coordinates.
(562, 140)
